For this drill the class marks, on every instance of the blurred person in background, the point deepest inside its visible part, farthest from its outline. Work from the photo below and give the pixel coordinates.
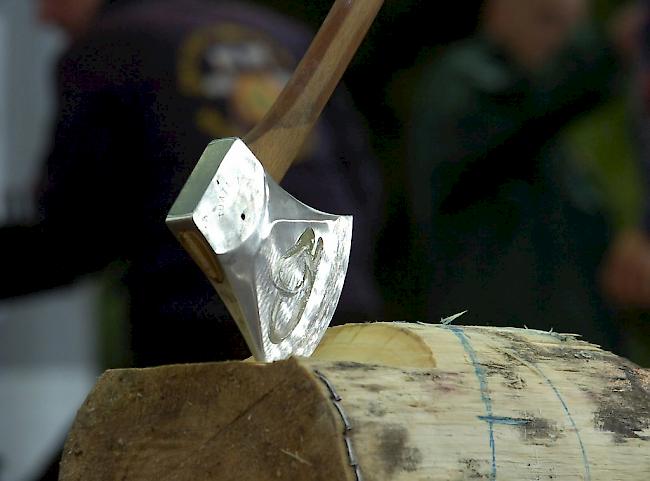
(503, 222)
(143, 87)
(627, 271)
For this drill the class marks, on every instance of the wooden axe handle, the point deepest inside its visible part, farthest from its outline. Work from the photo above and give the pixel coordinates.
(278, 137)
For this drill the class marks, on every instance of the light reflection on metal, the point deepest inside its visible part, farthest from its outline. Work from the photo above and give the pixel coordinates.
(294, 276)
(277, 264)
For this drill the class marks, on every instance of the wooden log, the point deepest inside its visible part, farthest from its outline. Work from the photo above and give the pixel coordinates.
(376, 402)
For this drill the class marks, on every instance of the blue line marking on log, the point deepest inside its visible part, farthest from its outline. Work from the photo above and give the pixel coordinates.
(504, 420)
(570, 417)
(485, 394)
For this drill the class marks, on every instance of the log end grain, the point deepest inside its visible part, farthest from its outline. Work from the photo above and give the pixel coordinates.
(387, 344)
(226, 421)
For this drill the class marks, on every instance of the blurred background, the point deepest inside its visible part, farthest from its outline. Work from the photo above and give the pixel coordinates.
(49, 355)
(54, 342)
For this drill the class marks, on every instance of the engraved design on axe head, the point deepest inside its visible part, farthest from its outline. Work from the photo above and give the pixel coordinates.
(278, 264)
(294, 278)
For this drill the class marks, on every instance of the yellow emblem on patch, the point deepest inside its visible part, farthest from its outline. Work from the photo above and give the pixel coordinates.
(253, 94)
(232, 74)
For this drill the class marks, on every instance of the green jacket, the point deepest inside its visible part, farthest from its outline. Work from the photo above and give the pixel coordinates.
(503, 225)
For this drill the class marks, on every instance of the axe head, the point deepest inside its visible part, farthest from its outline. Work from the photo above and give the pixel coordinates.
(277, 264)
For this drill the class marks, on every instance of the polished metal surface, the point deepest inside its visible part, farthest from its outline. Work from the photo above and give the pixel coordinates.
(278, 264)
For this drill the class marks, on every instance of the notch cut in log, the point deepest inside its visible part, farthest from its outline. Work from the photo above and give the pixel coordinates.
(377, 402)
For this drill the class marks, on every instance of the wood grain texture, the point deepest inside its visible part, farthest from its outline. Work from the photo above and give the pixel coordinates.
(467, 403)
(206, 422)
(279, 136)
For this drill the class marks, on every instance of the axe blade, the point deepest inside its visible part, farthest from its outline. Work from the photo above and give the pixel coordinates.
(278, 265)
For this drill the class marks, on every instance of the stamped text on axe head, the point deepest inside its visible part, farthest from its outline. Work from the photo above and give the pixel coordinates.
(278, 264)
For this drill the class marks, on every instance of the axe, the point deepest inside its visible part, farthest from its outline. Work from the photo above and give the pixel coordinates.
(277, 264)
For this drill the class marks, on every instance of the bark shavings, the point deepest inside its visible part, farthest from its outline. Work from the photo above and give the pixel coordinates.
(473, 468)
(537, 430)
(395, 451)
(624, 408)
